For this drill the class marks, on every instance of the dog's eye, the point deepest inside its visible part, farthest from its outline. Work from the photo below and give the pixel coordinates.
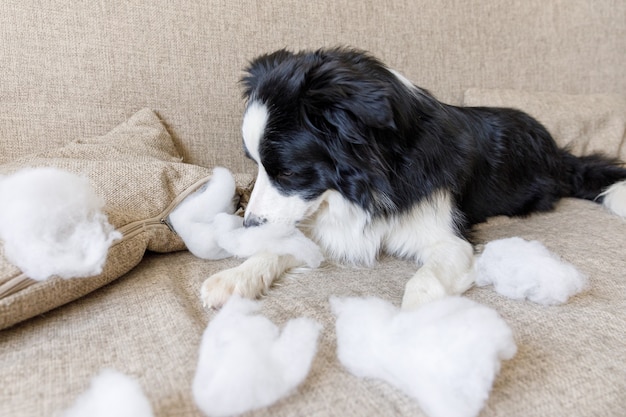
(286, 174)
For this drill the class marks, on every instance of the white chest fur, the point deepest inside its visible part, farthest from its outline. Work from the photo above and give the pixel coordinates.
(349, 235)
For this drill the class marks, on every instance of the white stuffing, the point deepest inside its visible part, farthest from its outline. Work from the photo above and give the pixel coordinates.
(522, 269)
(445, 354)
(245, 362)
(52, 224)
(206, 224)
(111, 394)
(276, 238)
(194, 218)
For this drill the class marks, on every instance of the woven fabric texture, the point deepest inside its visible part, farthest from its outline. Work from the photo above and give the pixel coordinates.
(75, 69)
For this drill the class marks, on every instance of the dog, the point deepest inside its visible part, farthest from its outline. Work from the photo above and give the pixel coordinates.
(364, 162)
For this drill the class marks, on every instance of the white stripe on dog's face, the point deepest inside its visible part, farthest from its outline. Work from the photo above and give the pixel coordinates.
(267, 204)
(253, 128)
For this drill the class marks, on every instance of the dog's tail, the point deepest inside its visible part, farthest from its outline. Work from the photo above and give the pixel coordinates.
(597, 178)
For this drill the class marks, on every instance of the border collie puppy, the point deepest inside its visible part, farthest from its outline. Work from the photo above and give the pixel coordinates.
(365, 162)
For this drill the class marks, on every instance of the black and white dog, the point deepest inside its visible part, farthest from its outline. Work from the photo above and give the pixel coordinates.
(365, 162)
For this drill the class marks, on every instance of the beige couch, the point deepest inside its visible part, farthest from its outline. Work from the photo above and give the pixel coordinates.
(76, 71)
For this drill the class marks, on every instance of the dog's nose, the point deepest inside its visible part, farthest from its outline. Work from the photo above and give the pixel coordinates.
(251, 221)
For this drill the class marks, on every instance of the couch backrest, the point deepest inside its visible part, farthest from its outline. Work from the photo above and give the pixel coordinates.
(74, 69)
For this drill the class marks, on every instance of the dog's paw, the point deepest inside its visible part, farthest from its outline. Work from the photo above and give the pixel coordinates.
(218, 288)
(251, 279)
(423, 288)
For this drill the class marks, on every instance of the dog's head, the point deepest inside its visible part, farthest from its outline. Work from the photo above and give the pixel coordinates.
(313, 124)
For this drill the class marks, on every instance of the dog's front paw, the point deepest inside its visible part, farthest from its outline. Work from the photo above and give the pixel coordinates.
(245, 282)
(249, 280)
(423, 288)
(216, 290)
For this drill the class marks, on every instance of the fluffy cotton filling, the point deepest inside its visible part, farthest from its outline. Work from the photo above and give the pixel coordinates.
(246, 362)
(111, 394)
(52, 224)
(209, 230)
(194, 218)
(521, 269)
(275, 238)
(445, 355)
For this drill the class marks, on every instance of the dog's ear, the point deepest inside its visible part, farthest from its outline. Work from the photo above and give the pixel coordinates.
(259, 67)
(341, 93)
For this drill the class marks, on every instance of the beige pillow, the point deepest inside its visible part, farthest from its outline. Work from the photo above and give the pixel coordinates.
(140, 174)
(585, 123)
